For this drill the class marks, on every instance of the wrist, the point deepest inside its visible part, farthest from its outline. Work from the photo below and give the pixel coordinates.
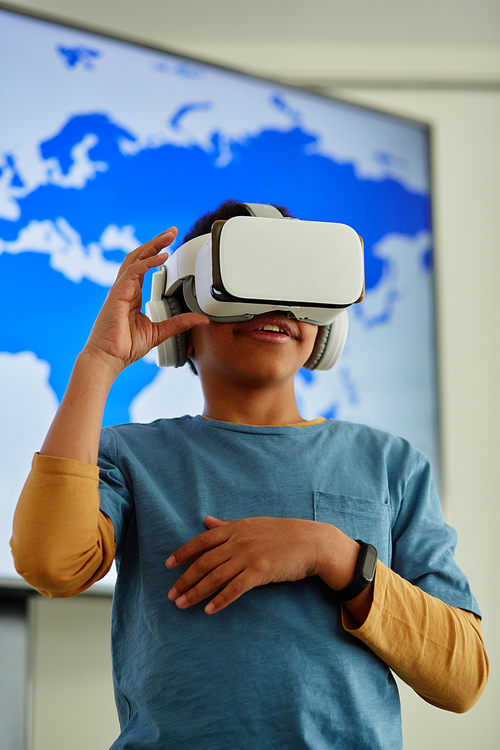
(339, 554)
(99, 364)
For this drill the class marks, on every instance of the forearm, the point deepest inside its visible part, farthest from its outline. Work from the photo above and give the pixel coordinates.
(76, 428)
(436, 649)
(61, 542)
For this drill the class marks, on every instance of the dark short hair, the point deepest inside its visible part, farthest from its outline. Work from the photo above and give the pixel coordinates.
(227, 210)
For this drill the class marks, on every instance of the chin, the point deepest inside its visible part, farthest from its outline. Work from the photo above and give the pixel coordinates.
(266, 373)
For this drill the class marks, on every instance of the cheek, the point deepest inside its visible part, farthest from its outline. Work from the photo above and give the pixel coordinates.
(309, 334)
(210, 338)
(309, 339)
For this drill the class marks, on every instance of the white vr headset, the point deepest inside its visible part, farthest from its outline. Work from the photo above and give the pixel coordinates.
(260, 263)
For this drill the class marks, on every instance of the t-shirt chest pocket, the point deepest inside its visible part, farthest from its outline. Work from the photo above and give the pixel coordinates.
(357, 517)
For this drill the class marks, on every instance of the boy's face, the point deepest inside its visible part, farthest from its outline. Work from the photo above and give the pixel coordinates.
(270, 347)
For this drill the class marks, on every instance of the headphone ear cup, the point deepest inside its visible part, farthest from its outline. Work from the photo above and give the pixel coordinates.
(330, 342)
(172, 352)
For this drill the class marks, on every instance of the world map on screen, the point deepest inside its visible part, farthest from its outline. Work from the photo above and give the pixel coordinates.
(127, 142)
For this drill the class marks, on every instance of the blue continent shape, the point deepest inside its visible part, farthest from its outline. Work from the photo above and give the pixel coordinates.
(167, 184)
(281, 104)
(73, 56)
(15, 177)
(175, 122)
(107, 148)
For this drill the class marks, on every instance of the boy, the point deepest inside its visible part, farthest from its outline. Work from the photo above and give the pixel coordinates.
(248, 514)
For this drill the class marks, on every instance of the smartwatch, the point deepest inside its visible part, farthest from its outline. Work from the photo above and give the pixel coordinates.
(364, 572)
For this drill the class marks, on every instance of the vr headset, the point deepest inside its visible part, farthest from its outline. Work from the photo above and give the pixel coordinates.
(260, 263)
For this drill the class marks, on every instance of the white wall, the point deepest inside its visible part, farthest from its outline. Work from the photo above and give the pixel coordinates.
(457, 88)
(71, 693)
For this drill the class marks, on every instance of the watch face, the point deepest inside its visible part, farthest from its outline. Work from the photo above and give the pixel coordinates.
(369, 562)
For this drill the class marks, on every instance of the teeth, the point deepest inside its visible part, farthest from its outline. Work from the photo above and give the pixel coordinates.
(277, 329)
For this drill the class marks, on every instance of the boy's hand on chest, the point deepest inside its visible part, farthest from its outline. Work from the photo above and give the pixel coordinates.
(233, 557)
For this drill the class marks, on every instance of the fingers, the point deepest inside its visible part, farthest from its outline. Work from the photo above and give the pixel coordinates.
(149, 250)
(232, 584)
(141, 266)
(213, 523)
(196, 546)
(206, 576)
(234, 589)
(208, 573)
(203, 578)
(164, 239)
(217, 568)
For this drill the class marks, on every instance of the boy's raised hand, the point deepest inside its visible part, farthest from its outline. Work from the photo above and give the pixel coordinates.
(121, 333)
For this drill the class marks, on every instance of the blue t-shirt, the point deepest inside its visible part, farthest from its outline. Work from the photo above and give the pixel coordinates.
(275, 669)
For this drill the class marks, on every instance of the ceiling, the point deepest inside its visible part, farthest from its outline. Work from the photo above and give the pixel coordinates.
(374, 22)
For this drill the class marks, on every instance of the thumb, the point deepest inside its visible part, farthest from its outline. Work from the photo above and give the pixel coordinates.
(212, 523)
(178, 324)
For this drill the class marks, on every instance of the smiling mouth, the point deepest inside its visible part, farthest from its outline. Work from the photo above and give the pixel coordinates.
(271, 326)
(272, 329)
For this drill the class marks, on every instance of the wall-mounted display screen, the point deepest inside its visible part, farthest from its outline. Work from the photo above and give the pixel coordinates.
(105, 143)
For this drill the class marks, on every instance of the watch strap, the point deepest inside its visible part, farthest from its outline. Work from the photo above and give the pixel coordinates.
(364, 572)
